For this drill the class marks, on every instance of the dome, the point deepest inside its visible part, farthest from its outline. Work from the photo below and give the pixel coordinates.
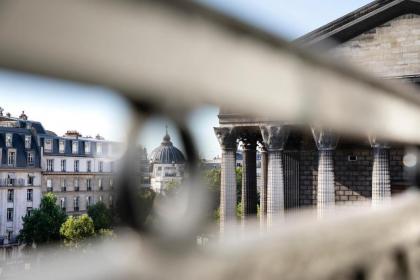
(167, 153)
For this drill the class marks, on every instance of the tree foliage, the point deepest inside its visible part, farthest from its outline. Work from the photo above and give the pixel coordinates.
(76, 229)
(43, 225)
(101, 216)
(145, 198)
(171, 188)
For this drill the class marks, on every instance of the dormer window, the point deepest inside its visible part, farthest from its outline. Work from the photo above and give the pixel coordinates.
(48, 145)
(98, 148)
(75, 147)
(87, 147)
(61, 146)
(28, 141)
(30, 158)
(9, 137)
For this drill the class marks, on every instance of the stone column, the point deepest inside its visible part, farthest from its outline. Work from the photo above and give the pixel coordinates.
(381, 182)
(249, 178)
(227, 140)
(263, 190)
(274, 137)
(326, 141)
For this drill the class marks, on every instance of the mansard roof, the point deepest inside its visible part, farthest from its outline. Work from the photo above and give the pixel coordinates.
(363, 19)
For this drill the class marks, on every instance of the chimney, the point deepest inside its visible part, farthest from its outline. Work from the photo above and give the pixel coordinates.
(23, 116)
(72, 133)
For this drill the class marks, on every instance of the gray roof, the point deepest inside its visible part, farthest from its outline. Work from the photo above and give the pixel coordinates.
(167, 153)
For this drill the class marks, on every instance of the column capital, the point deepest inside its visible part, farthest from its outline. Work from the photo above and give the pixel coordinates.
(378, 144)
(274, 136)
(325, 139)
(249, 142)
(226, 137)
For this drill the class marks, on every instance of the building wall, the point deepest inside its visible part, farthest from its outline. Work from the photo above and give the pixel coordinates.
(20, 204)
(353, 178)
(391, 49)
(70, 193)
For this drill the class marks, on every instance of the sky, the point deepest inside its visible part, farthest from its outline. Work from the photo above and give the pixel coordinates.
(91, 110)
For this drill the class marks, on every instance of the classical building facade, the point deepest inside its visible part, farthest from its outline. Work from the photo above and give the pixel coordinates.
(308, 166)
(34, 161)
(20, 174)
(167, 165)
(78, 170)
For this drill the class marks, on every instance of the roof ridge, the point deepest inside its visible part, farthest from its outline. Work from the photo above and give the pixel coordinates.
(332, 29)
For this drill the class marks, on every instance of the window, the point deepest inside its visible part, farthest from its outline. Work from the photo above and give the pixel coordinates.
(9, 139)
(49, 185)
(10, 195)
(11, 180)
(112, 166)
(100, 184)
(28, 211)
(76, 166)
(63, 185)
(101, 166)
(76, 185)
(61, 146)
(30, 158)
(88, 201)
(89, 166)
(76, 203)
(9, 237)
(28, 142)
(9, 214)
(100, 198)
(88, 185)
(98, 148)
(50, 165)
(11, 158)
(63, 203)
(63, 165)
(48, 145)
(87, 148)
(29, 194)
(75, 147)
(111, 183)
(31, 179)
(111, 201)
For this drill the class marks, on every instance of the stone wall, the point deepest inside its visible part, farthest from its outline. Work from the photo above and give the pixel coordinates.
(391, 49)
(353, 176)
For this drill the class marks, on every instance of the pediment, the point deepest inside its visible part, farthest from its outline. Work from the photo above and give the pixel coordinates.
(359, 21)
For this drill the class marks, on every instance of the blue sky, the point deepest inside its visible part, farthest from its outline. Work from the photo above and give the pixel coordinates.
(92, 110)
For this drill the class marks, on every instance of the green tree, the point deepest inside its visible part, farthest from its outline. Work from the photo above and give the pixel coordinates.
(76, 229)
(42, 226)
(100, 215)
(145, 198)
(171, 188)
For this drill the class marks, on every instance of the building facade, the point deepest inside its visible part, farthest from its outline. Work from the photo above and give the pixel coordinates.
(78, 170)
(20, 174)
(304, 166)
(167, 165)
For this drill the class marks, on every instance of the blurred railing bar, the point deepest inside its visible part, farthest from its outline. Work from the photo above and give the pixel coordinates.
(181, 55)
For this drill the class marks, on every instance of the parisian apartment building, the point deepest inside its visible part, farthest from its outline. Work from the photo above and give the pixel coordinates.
(34, 161)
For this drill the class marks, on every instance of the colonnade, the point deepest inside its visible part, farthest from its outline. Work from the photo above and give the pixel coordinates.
(272, 139)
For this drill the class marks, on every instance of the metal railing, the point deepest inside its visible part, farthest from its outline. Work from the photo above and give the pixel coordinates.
(216, 55)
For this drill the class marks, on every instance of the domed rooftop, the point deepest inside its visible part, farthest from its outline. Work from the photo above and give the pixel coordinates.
(167, 153)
